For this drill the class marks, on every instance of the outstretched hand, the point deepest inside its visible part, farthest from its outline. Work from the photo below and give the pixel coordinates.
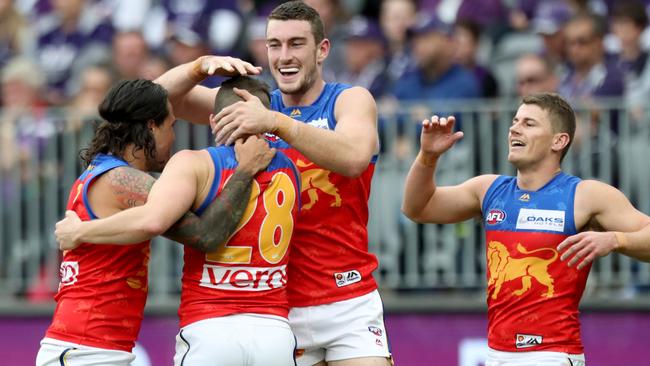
(227, 66)
(247, 117)
(584, 247)
(65, 231)
(253, 154)
(437, 135)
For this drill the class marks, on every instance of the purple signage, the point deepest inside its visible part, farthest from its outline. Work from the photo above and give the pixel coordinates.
(416, 339)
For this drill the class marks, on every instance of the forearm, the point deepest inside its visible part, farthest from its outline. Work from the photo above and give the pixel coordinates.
(126, 227)
(420, 187)
(329, 149)
(635, 244)
(219, 221)
(181, 79)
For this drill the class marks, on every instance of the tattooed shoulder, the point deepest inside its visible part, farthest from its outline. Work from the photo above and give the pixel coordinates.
(130, 186)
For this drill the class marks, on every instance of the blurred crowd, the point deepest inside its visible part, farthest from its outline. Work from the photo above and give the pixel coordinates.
(64, 55)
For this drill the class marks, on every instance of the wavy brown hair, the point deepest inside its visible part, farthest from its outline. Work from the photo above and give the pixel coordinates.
(127, 109)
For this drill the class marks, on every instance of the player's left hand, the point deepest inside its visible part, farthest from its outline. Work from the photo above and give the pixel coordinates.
(587, 246)
(226, 66)
(65, 231)
(248, 117)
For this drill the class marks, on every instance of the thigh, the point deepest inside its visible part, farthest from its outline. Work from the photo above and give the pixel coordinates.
(363, 361)
(351, 329)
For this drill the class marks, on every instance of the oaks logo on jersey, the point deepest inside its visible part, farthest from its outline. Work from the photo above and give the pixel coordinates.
(68, 272)
(536, 219)
(347, 278)
(316, 182)
(527, 340)
(504, 268)
(495, 216)
(244, 278)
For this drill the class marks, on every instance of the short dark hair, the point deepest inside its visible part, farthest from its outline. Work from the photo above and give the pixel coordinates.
(226, 95)
(562, 116)
(297, 10)
(126, 109)
(632, 10)
(598, 23)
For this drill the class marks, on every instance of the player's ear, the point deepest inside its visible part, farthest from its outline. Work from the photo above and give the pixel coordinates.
(323, 49)
(151, 124)
(560, 141)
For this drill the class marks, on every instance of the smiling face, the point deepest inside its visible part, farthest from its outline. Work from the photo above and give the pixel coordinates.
(295, 59)
(532, 139)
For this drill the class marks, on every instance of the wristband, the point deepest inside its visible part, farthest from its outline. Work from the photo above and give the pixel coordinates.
(196, 73)
(428, 161)
(621, 238)
(285, 127)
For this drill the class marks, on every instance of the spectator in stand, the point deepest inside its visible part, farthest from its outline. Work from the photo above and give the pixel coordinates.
(365, 61)
(549, 20)
(489, 14)
(589, 75)
(628, 20)
(396, 17)
(15, 36)
(95, 83)
(130, 53)
(154, 67)
(436, 75)
(70, 38)
(535, 74)
(467, 36)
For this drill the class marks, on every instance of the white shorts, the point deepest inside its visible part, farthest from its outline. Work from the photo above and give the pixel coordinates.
(56, 353)
(339, 331)
(236, 340)
(533, 358)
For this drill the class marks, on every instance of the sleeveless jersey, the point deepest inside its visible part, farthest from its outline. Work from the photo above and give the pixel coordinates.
(532, 296)
(329, 259)
(248, 273)
(103, 288)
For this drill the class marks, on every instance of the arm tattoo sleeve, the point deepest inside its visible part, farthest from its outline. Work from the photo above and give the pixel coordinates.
(219, 220)
(130, 186)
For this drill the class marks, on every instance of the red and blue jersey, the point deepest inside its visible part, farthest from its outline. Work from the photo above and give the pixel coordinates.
(532, 296)
(247, 273)
(329, 260)
(103, 288)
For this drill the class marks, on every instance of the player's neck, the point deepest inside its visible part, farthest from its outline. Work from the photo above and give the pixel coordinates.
(135, 158)
(306, 98)
(534, 178)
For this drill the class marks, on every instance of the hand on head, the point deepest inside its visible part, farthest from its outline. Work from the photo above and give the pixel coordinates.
(253, 154)
(227, 66)
(240, 119)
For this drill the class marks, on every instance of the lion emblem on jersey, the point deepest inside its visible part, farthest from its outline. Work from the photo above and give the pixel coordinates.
(504, 268)
(316, 180)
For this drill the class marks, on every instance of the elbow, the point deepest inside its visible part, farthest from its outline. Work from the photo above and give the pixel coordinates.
(412, 214)
(152, 228)
(355, 168)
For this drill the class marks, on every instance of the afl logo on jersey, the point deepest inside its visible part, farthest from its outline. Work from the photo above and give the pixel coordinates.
(495, 216)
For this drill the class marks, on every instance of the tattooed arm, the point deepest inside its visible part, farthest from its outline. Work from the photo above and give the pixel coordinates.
(159, 213)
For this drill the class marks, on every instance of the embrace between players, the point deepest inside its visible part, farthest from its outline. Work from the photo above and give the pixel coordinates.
(301, 192)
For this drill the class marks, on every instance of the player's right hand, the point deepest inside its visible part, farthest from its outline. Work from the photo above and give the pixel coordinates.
(438, 135)
(65, 231)
(253, 154)
(226, 66)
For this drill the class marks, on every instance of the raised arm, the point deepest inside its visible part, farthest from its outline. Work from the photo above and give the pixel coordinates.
(424, 201)
(193, 102)
(347, 150)
(603, 207)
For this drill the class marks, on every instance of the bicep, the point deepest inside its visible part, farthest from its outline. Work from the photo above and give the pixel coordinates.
(457, 203)
(174, 192)
(614, 212)
(196, 105)
(356, 120)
